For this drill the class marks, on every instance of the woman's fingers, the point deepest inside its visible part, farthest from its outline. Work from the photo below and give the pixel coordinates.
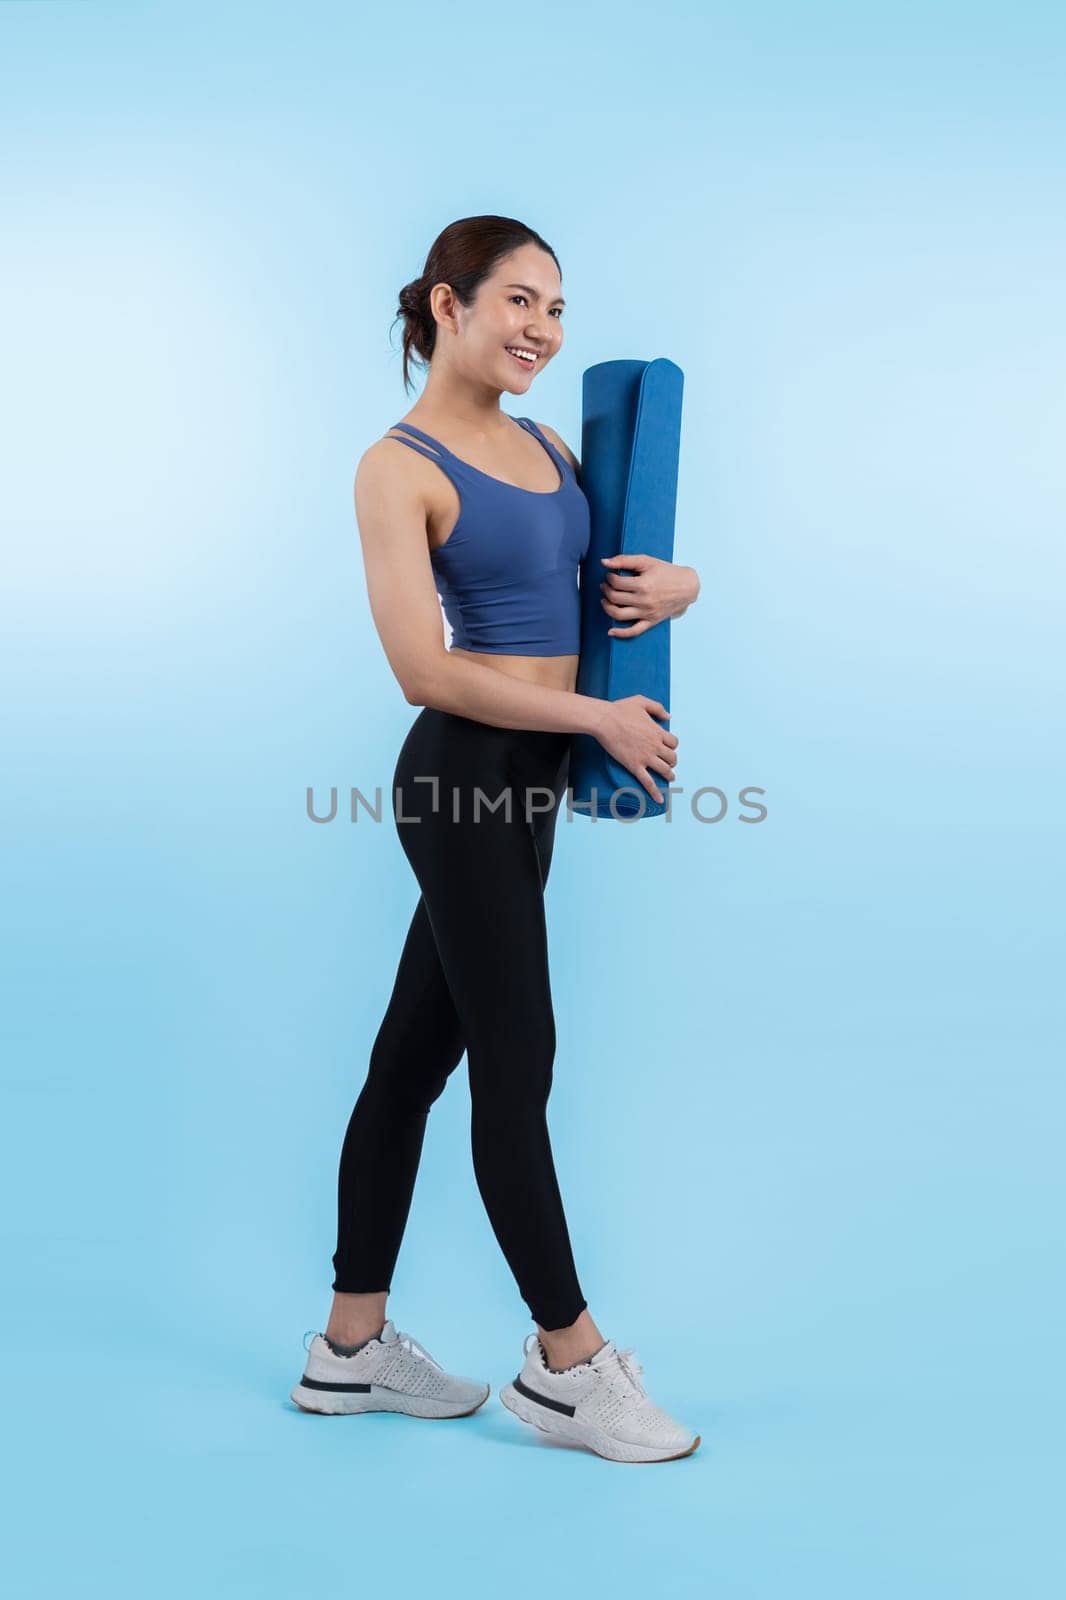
(632, 631)
(645, 779)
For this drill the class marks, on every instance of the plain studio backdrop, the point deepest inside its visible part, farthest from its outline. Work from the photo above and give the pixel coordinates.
(807, 1099)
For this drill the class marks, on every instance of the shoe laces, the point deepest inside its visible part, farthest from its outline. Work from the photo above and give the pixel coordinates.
(627, 1360)
(416, 1349)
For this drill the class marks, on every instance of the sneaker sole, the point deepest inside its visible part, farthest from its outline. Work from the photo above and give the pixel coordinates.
(338, 1403)
(585, 1433)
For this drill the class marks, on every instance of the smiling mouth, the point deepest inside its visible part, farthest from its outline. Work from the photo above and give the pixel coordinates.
(527, 358)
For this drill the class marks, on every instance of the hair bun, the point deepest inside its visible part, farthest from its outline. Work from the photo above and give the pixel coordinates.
(410, 297)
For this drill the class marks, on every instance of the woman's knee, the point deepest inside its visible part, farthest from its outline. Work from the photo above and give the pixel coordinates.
(512, 1077)
(397, 1077)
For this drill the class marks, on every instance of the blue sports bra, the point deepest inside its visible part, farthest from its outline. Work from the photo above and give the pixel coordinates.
(507, 572)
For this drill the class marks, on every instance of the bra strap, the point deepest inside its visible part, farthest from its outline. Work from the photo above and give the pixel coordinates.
(557, 456)
(526, 423)
(445, 453)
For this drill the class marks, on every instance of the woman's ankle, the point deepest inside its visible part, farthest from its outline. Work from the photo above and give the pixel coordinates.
(565, 1347)
(354, 1318)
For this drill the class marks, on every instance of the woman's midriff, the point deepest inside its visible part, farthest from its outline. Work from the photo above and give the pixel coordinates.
(550, 672)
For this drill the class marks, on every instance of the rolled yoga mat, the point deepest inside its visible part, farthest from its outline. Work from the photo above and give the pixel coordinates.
(630, 444)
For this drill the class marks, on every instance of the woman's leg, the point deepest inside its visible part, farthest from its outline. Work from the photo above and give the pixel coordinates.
(418, 1045)
(482, 881)
(581, 1338)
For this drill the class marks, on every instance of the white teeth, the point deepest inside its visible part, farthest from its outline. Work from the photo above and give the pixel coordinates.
(526, 355)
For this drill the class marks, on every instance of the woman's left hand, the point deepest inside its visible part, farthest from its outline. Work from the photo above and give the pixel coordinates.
(646, 592)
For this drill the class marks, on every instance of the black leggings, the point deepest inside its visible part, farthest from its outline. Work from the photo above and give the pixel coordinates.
(473, 976)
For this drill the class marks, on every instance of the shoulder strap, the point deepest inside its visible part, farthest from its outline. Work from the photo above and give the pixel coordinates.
(451, 463)
(556, 454)
(438, 453)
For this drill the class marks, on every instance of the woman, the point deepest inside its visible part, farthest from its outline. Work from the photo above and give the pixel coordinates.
(462, 504)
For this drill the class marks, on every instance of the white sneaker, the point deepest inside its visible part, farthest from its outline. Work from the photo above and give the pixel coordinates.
(393, 1372)
(601, 1404)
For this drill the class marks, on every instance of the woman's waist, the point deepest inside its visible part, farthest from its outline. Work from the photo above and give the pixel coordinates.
(549, 672)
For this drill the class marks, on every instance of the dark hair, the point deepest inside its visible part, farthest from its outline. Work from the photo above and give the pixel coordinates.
(463, 256)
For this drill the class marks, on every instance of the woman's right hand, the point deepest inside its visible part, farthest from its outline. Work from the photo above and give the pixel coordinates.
(628, 732)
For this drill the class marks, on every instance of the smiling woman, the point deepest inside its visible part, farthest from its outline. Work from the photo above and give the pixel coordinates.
(463, 506)
(509, 315)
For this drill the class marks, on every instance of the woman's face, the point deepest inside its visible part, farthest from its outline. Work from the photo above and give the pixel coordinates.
(518, 307)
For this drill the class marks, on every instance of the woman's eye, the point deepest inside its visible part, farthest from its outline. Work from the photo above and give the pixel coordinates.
(557, 311)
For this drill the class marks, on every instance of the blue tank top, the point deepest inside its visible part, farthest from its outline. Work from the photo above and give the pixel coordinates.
(507, 572)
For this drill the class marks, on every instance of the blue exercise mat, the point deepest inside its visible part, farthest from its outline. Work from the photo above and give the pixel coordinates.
(630, 444)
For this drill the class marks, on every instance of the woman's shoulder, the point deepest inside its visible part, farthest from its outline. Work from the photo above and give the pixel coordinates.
(386, 454)
(386, 467)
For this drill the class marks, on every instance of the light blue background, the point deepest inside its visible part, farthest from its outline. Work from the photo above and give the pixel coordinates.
(807, 1104)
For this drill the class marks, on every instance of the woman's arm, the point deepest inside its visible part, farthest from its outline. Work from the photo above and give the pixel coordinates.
(391, 513)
